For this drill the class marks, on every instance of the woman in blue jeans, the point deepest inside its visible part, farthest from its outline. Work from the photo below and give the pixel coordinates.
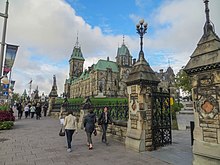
(70, 125)
(104, 120)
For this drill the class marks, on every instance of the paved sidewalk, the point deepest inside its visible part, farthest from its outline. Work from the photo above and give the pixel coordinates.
(36, 142)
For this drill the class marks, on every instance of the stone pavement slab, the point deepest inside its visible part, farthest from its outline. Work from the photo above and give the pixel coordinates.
(37, 142)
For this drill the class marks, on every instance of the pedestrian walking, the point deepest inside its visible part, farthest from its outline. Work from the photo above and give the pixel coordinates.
(20, 110)
(32, 110)
(61, 118)
(45, 107)
(26, 111)
(38, 111)
(70, 125)
(104, 120)
(29, 106)
(89, 125)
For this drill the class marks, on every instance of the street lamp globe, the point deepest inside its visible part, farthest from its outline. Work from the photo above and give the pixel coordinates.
(5, 80)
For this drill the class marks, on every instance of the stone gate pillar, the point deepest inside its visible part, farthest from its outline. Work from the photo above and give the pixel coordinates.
(141, 81)
(52, 96)
(204, 70)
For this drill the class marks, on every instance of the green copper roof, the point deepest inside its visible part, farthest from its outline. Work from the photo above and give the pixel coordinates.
(104, 64)
(123, 50)
(77, 53)
(84, 75)
(68, 81)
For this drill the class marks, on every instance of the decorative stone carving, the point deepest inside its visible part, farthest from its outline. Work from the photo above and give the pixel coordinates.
(208, 107)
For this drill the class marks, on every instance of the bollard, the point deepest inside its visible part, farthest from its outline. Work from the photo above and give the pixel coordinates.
(192, 125)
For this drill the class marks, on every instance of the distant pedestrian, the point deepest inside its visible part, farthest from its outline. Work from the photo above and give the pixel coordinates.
(45, 107)
(38, 111)
(70, 125)
(89, 124)
(29, 106)
(104, 120)
(61, 117)
(26, 111)
(32, 110)
(20, 110)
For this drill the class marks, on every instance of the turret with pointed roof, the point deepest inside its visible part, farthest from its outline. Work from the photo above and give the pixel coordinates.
(76, 61)
(123, 57)
(207, 53)
(53, 92)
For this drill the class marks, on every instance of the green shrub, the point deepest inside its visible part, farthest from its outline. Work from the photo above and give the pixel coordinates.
(95, 101)
(177, 107)
(106, 101)
(4, 107)
(6, 125)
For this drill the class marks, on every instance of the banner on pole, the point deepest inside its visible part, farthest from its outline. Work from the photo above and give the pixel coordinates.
(10, 54)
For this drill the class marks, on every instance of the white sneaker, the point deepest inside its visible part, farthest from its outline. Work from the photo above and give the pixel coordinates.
(69, 150)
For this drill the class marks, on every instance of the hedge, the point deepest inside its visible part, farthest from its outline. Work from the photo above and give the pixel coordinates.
(95, 101)
(6, 125)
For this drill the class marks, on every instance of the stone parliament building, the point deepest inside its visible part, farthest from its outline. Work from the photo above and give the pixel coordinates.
(105, 78)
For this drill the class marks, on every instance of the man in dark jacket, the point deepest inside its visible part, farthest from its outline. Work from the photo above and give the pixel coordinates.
(89, 125)
(104, 120)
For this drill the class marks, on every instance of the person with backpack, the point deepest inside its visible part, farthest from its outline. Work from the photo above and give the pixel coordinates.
(32, 110)
(26, 111)
(89, 125)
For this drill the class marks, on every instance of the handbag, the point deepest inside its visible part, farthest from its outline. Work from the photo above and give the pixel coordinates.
(62, 132)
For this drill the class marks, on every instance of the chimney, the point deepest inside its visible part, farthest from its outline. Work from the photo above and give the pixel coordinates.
(90, 68)
(134, 61)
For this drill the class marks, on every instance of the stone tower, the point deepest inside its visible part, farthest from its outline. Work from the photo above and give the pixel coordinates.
(124, 61)
(53, 92)
(204, 70)
(76, 62)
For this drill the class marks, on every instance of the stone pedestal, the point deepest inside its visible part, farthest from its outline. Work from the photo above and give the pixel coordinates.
(51, 102)
(100, 95)
(206, 148)
(137, 126)
(204, 70)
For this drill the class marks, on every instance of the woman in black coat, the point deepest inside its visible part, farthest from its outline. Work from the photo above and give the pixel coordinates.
(104, 120)
(89, 125)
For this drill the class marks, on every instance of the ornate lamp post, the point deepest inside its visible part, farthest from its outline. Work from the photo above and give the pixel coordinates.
(141, 30)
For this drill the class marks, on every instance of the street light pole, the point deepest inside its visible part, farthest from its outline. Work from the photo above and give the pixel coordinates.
(141, 30)
(5, 16)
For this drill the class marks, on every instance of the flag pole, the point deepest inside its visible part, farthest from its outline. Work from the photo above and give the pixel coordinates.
(30, 84)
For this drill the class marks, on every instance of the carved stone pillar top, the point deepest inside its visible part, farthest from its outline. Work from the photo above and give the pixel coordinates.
(142, 73)
(53, 92)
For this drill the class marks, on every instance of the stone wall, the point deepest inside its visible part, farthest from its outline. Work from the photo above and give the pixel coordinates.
(117, 132)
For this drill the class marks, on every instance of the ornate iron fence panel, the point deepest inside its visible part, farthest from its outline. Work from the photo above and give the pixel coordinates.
(161, 119)
(118, 111)
(56, 106)
(73, 107)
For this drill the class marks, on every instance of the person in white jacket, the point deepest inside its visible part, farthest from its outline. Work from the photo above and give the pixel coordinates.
(70, 125)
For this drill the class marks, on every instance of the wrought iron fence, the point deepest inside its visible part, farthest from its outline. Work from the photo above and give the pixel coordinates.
(118, 111)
